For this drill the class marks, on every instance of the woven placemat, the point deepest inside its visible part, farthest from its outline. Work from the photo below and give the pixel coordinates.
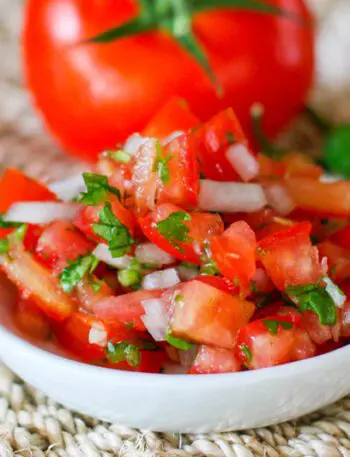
(32, 425)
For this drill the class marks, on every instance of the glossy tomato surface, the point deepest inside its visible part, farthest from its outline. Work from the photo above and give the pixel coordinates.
(98, 94)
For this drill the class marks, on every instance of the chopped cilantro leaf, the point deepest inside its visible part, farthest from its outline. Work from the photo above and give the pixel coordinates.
(129, 277)
(319, 301)
(247, 352)
(124, 351)
(230, 137)
(161, 164)
(178, 343)
(97, 190)
(6, 224)
(110, 229)
(174, 229)
(272, 325)
(76, 271)
(295, 291)
(4, 246)
(209, 267)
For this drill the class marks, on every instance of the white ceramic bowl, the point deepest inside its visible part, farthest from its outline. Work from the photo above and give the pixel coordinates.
(179, 403)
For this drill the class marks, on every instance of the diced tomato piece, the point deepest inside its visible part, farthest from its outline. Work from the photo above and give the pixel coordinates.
(211, 141)
(326, 199)
(211, 360)
(206, 315)
(32, 321)
(89, 216)
(234, 254)
(289, 257)
(319, 333)
(174, 116)
(269, 168)
(121, 179)
(329, 347)
(219, 282)
(61, 242)
(88, 297)
(338, 260)
(303, 348)
(298, 164)
(341, 237)
(35, 282)
(202, 227)
(4, 232)
(126, 309)
(145, 180)
(181, 187)
(260, 346)
(31, 237)
(16, 187)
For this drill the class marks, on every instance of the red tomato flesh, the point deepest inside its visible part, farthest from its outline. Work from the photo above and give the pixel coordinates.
(16, 187)
(212, 360)
(289, 257)
(207, 315)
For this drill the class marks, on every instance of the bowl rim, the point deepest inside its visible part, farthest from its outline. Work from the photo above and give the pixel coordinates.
(206, 379)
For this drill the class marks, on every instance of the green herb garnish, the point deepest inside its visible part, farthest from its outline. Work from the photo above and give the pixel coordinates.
(174, 229)
(178, 343)
(272, 325)
(98, 189)
(76, 271)
(110, 229)
(247, 352)
(4, 246)
(320, 302)
(161, 164)
(7, 224)
(124, 351)
(230, 137)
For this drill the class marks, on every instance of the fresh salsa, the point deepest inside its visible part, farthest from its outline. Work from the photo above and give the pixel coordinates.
(186, 251)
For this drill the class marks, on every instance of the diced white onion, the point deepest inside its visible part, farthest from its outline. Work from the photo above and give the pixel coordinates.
(101, 252)
(231, 197)
(171, 137)
(335, 293)
(279, 199)
(68, 188)
(186, 273)
(151, 254)
(156, 318)
(161, 279)
(98, 334)
(41, 212)
(187, 357)
(134, 142)
(243, 161)
(327, 178)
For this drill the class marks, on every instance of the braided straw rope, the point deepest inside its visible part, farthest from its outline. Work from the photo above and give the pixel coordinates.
(32, 425)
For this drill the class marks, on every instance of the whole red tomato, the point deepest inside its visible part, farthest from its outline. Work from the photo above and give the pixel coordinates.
(94, 95)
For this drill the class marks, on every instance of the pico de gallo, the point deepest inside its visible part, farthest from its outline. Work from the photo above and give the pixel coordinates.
(185, 251)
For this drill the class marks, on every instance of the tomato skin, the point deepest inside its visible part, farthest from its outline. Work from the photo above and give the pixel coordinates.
(289, 258)
(125, 309)
(202, 226)
(234, 254)
(212, 360)
(131, 79)
(211, 141)
(174, 116)
(61, 242)
(338, 259)
(220, 283)
(16, 187)
(207, 315)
